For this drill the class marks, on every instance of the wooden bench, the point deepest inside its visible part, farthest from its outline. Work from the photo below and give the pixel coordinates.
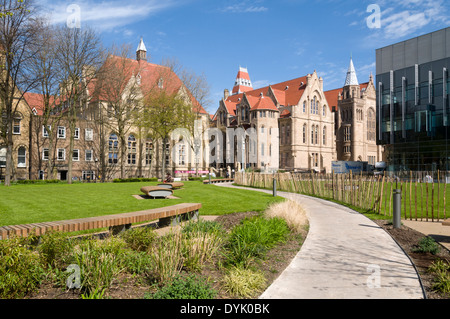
(446, 222)
(215, 181)
(167, 216)
(174, 185)
(156, 192)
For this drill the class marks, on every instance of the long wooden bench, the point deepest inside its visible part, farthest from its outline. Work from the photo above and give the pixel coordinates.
(220, 180)
(446, 222)
(171, 215)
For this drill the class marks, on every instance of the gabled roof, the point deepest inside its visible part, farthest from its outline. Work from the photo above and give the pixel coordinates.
(286, 93)
(332, 97)
(153, 78)
(261, 103)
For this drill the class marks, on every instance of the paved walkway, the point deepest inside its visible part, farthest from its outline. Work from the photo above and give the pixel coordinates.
(345, 256)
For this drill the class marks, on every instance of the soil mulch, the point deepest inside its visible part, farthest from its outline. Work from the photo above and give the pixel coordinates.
(408, 239)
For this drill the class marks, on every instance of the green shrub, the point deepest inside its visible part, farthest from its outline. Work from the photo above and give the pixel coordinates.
(135, 262)
(98, 263)
(56, 249)
(203, 226)
(427, 245)
(244, 283)
(134, 180)
(187, 287)
(441, 271)
(20, 269)
(167, 257)
(253, 238)
(140, 238)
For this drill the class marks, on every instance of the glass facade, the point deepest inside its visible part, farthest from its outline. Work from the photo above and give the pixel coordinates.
(413, 115)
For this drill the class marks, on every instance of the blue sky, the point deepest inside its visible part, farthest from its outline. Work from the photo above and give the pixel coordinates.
(276, 40)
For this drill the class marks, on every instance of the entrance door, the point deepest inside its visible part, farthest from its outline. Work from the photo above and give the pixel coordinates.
(63, 175)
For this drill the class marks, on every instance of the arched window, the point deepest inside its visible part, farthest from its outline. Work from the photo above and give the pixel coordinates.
(312, 134)
(324, 136)
(304, 106)
(21, 157)
(371, 125)
(131, 150)
(113, 153)
(324, 110)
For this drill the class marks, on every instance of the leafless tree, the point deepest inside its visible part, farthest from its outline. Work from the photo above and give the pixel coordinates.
(17, 43)
(79, 54)
(117, 90)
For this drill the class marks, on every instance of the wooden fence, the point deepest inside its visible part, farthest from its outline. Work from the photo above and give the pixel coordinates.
(423, 194)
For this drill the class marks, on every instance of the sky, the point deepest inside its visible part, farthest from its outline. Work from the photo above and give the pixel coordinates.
(276, 40)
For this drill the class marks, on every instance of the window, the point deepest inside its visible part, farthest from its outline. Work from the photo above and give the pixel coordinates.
(113, 153)
(61, 132)
(61, 154)
(21, 157)
(148, 152)
(45, 154)
(324, 136)
(3, 157)
(312, 134)
(371, 125)
(88, 156)
(324, 111)
(76, 155)
(89, 134)
(316, 135)
(16, 125)
(304, 107)
(88, 175)
(44, 131)
(304, 133)
(131, 150)
(76, 133)
(181, 154)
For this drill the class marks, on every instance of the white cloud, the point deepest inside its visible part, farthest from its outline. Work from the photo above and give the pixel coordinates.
(105, 15)
(244, 7)
(405, 17)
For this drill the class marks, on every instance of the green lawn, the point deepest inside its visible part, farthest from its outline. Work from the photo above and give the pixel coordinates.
(20, 204)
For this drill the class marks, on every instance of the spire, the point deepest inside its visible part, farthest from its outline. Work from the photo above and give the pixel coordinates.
(243, 83)
(351, 75)
(141, 51)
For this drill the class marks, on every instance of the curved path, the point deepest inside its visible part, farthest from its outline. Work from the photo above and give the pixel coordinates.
(345, 256)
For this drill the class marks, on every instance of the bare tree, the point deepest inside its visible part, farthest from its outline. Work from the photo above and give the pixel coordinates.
(47, 71)
(17, 42)
(117, 90)
(197, 94)
(79, 55)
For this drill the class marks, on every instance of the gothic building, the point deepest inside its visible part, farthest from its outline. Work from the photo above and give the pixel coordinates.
(313, 127)
(355, 119)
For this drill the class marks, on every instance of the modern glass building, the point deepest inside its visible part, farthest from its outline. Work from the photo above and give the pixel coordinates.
(413, 87)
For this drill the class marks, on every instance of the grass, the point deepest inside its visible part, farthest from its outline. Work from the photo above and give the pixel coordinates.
(22, 204)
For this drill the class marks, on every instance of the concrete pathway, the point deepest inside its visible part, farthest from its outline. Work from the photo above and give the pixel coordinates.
(345, 256)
